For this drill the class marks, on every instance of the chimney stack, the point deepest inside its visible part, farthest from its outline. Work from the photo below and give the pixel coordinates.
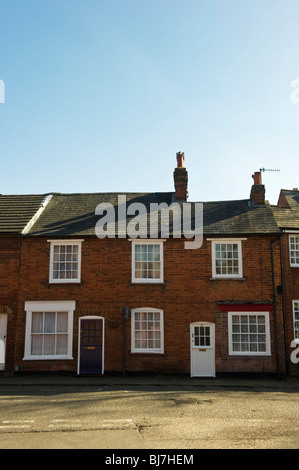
(180, 176)
(257, 194)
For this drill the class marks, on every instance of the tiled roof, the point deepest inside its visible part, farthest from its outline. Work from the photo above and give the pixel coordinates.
(237, 217)
(292, 197)
(74, 215)
(287, 217)
(16, 211)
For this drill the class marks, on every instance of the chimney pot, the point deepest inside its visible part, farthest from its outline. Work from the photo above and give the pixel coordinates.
(257, 177)
(180, 159)
(257, 195)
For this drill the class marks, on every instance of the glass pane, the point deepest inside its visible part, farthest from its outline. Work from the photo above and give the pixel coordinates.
(62, 322)
(49, 322)
(49, 345)
(36, 345)
(37, 322)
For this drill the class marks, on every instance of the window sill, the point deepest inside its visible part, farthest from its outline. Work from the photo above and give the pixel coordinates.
(246, 354)
(227, 278)
(48, 358)
(152, 283)
(64, 281)
(146, 353)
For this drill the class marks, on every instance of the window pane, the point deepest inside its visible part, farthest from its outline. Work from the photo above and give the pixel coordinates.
(37, 322)
(49, 326)
(62, 322)
(36, 345)
(49, 345)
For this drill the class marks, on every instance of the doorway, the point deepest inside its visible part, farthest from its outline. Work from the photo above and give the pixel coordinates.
(91, 345)
(202, 340)
(3, 329)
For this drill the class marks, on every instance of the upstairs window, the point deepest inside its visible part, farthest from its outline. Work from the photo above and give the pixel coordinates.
(226, 258)
(147, 261)
(65, 261)
(294, 250)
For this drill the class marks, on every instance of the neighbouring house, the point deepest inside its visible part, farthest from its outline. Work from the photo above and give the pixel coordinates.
(287, 218)
(16, 212)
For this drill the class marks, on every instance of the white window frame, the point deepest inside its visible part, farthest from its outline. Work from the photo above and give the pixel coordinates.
(296, 320)
(296, 237)
(134, 349)
(139, 242)
(49, 306)
(54, 243)
(226, 241)
(267, 333)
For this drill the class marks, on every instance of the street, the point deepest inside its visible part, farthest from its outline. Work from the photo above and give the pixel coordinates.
(153, 417)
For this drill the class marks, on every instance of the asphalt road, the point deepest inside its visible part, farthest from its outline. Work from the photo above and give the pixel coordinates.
(115, 417)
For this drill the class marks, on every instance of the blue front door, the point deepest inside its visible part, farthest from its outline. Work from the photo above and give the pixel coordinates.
(91, 346)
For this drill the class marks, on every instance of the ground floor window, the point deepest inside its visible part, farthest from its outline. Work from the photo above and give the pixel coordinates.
(296, 318)
(147, 330)
(49, 330)
(249, 333)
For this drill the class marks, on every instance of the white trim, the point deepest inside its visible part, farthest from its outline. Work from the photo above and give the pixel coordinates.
(147, 280)
(66, 243)
(90, 317)
(267, 333)
(147, 350)
(226, 241)
(290, 231)
(37, 214)
(146, 240)
(48, 306)
(293, 306)
(293, 265)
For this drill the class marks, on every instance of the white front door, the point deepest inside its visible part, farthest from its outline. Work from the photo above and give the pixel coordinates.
(3, 327)
(202, 349)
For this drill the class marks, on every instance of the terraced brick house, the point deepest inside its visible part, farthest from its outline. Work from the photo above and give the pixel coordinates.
(16, 212)
(90, 305)
(287, 218)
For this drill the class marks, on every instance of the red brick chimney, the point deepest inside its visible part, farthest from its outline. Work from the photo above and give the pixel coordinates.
(180, 176)
(257, 194)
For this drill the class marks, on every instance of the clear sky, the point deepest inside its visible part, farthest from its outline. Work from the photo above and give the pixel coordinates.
(101, 94)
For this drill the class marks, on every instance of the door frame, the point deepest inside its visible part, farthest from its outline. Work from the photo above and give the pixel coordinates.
(211, 347)
(4, 317)
(90, 317)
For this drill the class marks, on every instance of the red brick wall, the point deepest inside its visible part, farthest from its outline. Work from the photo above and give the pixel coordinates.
(187, 295)
(9, 276)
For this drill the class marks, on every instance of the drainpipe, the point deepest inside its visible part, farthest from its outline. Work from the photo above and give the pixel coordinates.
(279, 374)
(125, 316)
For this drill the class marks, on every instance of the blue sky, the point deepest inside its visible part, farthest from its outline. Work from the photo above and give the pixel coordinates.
(101, 94)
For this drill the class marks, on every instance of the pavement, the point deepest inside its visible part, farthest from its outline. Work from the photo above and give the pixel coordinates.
(290, 384)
